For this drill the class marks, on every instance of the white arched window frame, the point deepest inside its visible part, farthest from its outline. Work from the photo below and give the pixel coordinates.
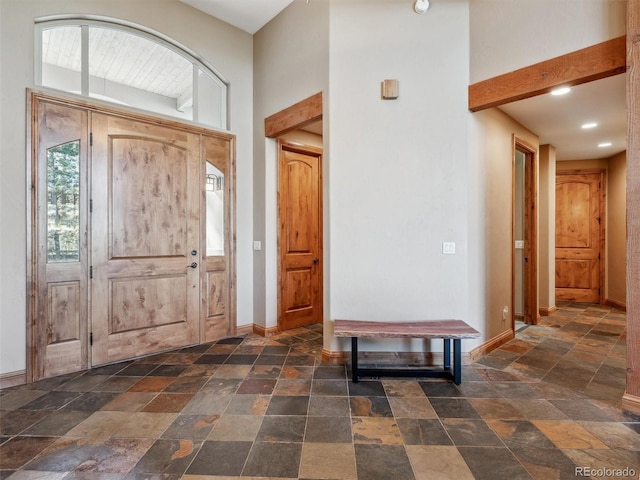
(204, 75)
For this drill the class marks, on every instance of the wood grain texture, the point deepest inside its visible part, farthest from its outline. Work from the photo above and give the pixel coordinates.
(145, 295)
(64, 312)
(631, 399)
(296, 116)
(586, 65)
(299, 236)
(148, 197)
(580, 220)
(417, 329)
(219, 273)
(58, 339)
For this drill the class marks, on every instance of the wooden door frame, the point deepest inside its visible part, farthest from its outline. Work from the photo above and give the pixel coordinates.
(312, 151)
(35, 95)
(602, 205)
(294, 117)
(530, 205)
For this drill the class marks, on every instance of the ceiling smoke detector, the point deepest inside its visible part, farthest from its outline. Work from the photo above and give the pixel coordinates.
(421, 6)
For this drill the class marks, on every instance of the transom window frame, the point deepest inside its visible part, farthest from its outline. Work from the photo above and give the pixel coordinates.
(86, 21)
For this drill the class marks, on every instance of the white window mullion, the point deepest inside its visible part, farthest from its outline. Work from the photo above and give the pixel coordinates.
(84, 57)
(38, 56)
(196, 80)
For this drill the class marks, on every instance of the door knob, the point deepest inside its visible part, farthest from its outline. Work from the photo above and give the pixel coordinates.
(194, 265)
(315, 261)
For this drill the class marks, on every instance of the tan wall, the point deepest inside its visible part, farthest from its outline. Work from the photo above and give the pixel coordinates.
(547, 229)
(616, 230)
(616, 288)
(493, 133)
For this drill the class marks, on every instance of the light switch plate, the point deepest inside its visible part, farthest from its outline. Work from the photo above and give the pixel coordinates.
(449, 248)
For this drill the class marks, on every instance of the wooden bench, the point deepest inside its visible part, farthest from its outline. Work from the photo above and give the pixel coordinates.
(446, 329)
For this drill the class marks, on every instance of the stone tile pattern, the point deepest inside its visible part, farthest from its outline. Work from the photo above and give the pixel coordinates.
(538, 407)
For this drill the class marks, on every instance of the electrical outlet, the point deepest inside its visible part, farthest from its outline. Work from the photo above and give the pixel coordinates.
(448, 248)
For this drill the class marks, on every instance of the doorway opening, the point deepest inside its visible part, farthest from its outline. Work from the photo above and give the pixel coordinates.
(524, 285)
(300, 261)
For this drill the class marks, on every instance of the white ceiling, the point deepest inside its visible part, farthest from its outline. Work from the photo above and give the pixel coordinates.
(556, 120)
(248, 15)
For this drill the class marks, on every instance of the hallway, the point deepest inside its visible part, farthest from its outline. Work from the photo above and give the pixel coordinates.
(539, 407)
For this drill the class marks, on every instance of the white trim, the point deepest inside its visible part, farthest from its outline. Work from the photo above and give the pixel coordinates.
(84, 60)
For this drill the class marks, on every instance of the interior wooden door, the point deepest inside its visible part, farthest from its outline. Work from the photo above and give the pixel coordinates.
(579, 236)
(59, 340)
(300, 236)
(145, 238)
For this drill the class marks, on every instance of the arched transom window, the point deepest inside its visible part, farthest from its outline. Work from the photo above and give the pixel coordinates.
(131, 65)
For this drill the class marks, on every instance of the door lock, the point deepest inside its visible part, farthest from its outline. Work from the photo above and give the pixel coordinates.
(194, 252)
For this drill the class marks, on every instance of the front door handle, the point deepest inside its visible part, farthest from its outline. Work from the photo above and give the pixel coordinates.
(194, 265)
(315, 261)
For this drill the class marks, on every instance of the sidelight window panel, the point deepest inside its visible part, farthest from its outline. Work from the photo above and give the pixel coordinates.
(63, 203)
(215, 211)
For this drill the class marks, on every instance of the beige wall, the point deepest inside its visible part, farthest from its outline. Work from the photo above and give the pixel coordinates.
(511, 34)
(547, 229)
(616, 228)
(291, 63)
(616, 288)
(225, 47)
(491, 210)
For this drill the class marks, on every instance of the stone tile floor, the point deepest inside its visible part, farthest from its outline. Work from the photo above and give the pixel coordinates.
(541, 406)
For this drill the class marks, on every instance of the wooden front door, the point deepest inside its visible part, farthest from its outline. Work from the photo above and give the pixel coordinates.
(579, 236)
(132, 238)
(300, 236)
(145, 235)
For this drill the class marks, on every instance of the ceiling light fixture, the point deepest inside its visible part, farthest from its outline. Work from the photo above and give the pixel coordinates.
(560, 91)
(589, 125)
(604, 144)
(421, 6)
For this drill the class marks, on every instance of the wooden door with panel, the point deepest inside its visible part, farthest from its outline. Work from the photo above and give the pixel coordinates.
(145, 290)
(579, 236)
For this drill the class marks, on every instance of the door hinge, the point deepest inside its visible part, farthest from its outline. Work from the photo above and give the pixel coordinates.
(91, 205)
(91, 338)
(91, 139)
(598, 218)
(91, 271)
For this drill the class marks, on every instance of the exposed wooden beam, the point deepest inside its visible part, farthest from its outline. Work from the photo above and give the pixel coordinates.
(592, 63)
(302, 113)
(631, 399)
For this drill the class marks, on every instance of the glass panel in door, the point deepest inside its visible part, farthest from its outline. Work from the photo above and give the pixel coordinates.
(215, 211)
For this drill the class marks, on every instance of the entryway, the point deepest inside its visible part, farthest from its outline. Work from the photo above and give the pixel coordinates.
(132, 236)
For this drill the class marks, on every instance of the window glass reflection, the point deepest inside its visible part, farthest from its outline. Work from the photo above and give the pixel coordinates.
(63, 203)
(215, 211)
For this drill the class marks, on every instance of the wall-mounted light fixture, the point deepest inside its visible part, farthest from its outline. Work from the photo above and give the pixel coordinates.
(421, 6)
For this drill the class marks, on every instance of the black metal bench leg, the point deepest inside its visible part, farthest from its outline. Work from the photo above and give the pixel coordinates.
(447, 354)
(354, 359)
(457, 362)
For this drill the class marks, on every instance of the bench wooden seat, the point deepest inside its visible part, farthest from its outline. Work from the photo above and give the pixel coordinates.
(446, 329)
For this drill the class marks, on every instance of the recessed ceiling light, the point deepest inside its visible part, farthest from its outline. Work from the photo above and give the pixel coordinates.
(604, 144)
(589, 125)
(560, 91)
